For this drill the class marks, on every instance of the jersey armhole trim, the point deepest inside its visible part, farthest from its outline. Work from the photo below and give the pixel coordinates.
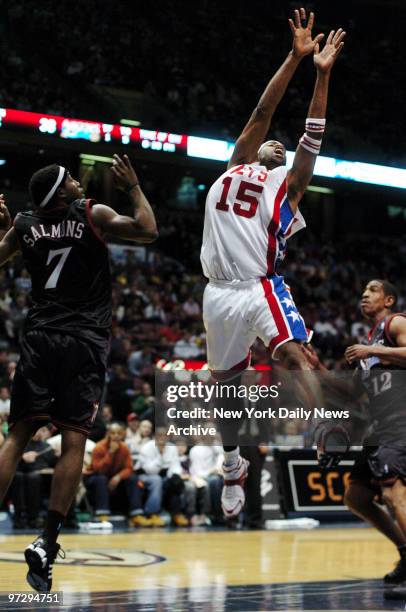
(89, 204)
(387, 324)
(16, 233)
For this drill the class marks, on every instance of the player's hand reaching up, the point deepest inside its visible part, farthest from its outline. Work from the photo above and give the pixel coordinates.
(5, 219)
(303, 43)
(124, 174)
(324, 59)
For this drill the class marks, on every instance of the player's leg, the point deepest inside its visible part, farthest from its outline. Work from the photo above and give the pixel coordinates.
(360, 499)
(292, 357)
(65, 482)
(395, 498)
(41, 554)
(282, 328)
(229, 338)
(235, 467)
(30, 398)
(12, 450)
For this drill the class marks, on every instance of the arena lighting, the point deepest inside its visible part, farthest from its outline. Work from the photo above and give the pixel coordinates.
(318, 189)
(190, 146)
(87, 157)
(2, 162)
(132, 122)
(328, 167)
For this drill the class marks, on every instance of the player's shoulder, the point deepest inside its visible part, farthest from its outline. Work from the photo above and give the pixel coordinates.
(24, 214)
(279, 171)
(395, 324)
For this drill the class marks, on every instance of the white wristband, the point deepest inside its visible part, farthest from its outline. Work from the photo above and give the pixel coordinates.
(315, 125)
(310, 144)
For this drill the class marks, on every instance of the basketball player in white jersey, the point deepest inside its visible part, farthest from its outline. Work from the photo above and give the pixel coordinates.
(251, 211)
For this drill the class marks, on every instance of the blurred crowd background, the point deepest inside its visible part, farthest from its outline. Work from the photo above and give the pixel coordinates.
(173, 54)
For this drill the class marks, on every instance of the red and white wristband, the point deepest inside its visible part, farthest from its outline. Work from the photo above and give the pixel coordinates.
(310, 144)
(317, 125)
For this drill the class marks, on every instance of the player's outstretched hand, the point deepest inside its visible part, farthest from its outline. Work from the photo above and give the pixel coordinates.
(324, 59)
(356, 351)
(303, 43)
(124, 174)
(5, 219)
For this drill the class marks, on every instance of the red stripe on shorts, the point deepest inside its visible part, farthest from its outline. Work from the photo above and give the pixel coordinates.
(277, 313)
(222, 375)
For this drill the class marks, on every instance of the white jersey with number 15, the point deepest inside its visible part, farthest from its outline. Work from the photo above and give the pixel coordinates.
(247, 221)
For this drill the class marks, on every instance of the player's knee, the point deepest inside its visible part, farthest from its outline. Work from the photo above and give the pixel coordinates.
(73, 441)
(292, 357)
(356, 499)
(394, 496)
(350, 499)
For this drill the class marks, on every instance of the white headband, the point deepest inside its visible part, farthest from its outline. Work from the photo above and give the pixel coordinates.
(262, 146)
(54, 188)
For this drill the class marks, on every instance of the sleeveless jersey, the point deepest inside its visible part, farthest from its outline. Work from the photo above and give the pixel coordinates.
(248, 219)
(70, 272)
(385, 385)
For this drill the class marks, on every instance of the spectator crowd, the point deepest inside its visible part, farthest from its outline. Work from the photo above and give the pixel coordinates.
(157, 318)
(198, 86)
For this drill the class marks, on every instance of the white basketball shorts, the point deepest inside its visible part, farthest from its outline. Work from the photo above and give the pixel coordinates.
(235, 315)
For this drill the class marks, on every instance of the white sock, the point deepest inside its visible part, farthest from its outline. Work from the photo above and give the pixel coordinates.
(231, 457)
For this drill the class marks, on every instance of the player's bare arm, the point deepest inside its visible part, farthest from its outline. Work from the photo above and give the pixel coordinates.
(5, 218)
(344, 388)
(256, 129)
(395, 355)
(9, 243)
(142, 226)
(300, 175)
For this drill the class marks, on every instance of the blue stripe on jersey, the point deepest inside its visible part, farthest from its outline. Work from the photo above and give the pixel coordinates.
(286, 215)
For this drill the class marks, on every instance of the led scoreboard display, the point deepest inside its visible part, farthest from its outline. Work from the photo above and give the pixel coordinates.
(187, 146)
(308, 490)
(93, 131)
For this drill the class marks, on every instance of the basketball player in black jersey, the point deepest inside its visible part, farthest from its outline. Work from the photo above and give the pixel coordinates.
(381, 369)
(64, 349)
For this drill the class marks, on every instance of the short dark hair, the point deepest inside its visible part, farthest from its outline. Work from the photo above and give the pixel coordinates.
(42, 182)
(389, 290)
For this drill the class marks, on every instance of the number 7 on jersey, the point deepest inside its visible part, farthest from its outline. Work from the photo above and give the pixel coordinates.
(53, 279)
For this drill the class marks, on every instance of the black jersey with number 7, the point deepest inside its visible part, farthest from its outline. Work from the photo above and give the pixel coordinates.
(70, 272)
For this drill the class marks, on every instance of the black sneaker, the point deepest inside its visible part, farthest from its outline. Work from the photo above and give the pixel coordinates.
(397, 575)
(40, 557)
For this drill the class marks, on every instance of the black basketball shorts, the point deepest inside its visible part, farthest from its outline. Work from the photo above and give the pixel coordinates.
(59, 379)
(380, 466)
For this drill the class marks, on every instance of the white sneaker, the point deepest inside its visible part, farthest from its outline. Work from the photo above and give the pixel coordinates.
(233, 496)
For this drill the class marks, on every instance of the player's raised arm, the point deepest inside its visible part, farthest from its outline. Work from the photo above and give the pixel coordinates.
(142, 226)
(8, 243)
(300, 175)
(255, 131)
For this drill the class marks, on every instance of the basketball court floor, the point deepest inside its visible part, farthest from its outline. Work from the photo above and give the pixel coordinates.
(199, 569)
